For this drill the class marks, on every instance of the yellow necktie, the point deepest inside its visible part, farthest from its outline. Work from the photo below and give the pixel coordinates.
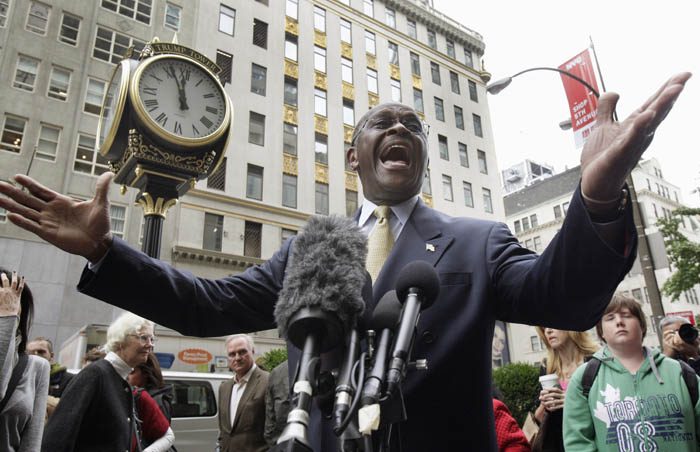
(380, 242)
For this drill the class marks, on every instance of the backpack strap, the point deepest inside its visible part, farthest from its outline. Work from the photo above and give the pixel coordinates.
(17, 373)
(691, 381)
(589, 375)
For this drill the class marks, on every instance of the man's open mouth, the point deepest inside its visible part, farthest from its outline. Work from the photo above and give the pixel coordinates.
(395, 154)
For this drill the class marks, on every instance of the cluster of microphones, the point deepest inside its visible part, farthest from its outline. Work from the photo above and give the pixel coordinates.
(321, 311)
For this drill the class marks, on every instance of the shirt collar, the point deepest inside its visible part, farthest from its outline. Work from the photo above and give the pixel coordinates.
(246, 377)
(401, 210)
(122, 368)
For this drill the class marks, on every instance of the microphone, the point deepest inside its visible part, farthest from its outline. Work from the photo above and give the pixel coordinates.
(418, 285)
(320, 295)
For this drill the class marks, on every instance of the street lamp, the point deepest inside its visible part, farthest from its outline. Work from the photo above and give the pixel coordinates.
(643, 250)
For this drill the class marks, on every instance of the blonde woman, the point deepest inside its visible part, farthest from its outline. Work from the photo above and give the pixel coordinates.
(566, 351)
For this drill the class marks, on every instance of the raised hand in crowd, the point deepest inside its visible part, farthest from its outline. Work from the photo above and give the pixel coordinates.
(10, 293)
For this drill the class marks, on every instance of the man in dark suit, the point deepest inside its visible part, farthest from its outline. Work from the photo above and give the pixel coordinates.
(242, 400)
(484, 273)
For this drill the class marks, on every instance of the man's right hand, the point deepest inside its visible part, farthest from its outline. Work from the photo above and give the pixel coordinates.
(78, 227)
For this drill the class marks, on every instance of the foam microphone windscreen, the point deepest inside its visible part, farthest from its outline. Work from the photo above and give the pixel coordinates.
(422, 276)
(387, 312)
(326, 270)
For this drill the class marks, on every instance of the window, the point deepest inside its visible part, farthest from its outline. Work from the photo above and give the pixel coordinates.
(557, 212)
(38, 17)
(516, 223)
(450, 49)
(536, 344)
(533, 220)
(481, 155)
(256, 130)
(259, 33)
(368, 7)
(217, 180)
(321, 148)
(290, 47)
(290, 91)
(320, 19)
(192, 398)
(565, 206)
(346, 70)
(25, 75)
(258, 79)
(289, 138)
(395, 90)
(468, 58)
(252, 239)
(117, 216)
(319, 59)
(411, 28)
(463, 157)
(528, 243)
(432, 39)
(526, 224)
(391, 17)
(426, 183)
(93, 96)
(348, 113)
(213, 234)
(439, 110)
(70, 26)
(418, 100)
(59, 83)
(225, 62)
(345, 31)
(350, 203)
(472, 91)
(435, 72)
(454, 82)
(371, 80)
(370, 46)
(459, 118)
(289, 191)
(254, 185)
(264, 2)
(477, 125)
(415, 64)
(319, 102)
(12, 134)
(321, 198)
(637, 295)
(227, 19)
(133, 9)
(292, 9)
(4, 6)
(288, 234)
(172, 17)
(87, 160)
(111, 46)
(488, 206)
(447, 187)
(468, 195)
(47, 145)
(393, 53)
(442, 144)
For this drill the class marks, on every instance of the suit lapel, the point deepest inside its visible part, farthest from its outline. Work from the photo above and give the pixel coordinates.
(247, 394)
(226, 404)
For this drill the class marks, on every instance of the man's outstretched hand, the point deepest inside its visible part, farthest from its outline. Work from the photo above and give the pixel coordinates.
(614, 148)
(78, 227)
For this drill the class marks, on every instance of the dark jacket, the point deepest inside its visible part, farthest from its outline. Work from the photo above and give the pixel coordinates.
(276, 402)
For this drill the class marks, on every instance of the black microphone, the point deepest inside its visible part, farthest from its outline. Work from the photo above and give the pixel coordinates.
(384, 320)
(418, 286)
(320, 296)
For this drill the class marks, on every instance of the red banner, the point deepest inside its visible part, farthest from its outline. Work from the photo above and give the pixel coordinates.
(687, 314)
(583, 104)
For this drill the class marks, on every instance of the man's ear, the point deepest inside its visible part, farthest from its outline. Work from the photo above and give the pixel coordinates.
(351, 156)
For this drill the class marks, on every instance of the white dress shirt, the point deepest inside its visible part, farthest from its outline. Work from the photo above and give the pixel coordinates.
(237, 391)
(401, 212)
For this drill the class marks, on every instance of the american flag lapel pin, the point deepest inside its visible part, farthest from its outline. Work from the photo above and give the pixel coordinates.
(429, 247)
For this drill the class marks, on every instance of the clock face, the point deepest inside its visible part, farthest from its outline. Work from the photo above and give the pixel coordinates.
(181, 98)
(113, 105)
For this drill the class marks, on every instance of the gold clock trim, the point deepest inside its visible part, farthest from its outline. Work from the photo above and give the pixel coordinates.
(155, 127)
(118, 110)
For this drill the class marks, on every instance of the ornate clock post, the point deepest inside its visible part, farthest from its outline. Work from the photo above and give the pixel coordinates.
(165, 123)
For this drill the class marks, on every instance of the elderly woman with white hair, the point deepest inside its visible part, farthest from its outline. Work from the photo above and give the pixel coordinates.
(96, 411)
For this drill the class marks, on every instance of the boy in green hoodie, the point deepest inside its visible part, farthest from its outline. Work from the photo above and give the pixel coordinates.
(638, 400)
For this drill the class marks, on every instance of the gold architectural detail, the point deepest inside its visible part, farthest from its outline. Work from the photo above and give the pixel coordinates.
(290, 164)
(428, 199)
(347, 133)
(321, 124)
(350, 181)
(371, 61)
(348, 91)
(291, 114)
(346, 50)
(417, 82)
(395, 72)
(321, 173)
(291, 26)
(122, 190)
(320, 80)
(159, 206)
(373, 100)
(422, 116)
(291, 69)
(319, 38)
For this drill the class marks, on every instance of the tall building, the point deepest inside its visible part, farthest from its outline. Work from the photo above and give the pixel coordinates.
(299, 77)
(535, 214)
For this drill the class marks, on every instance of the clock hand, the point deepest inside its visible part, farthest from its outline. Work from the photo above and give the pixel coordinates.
(183, 95)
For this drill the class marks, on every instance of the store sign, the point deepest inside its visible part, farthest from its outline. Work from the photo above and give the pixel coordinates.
(195, 356)
(583, 103)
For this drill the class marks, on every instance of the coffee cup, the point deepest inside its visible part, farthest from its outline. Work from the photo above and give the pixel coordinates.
(549, 381)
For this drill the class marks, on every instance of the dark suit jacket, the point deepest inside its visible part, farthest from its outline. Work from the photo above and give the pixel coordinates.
(246, 434)
(484, 274)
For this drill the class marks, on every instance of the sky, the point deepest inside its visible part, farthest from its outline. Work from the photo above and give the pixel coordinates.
(639, 44)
